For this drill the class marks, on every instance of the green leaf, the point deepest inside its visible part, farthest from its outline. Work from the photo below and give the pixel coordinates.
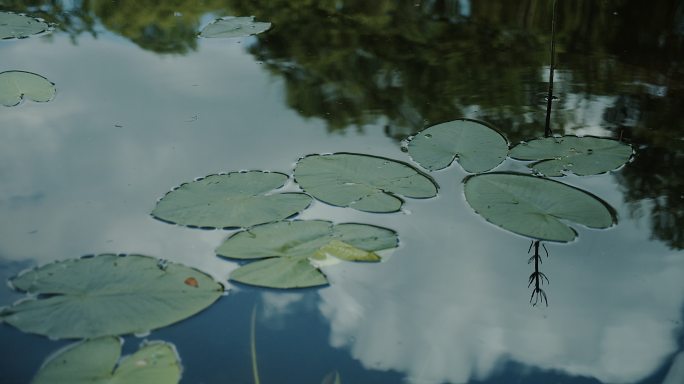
(95, 362)
(362, 182)
(16, 85)
(236, 199)
(579, 155)
(16, 26)
(287, 247)
(534, 207)
(234, 27)
(476, 146)
(108, 295)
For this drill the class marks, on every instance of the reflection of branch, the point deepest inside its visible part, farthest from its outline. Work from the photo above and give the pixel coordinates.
(537, 277)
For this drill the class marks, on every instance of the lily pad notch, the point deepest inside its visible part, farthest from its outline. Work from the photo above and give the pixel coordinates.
(99, 361)
(284, 254)
(363, 182)
(108, 295)
(536, 207)
(231, 200)
(16, 86)
(583, 156)
(477, 146)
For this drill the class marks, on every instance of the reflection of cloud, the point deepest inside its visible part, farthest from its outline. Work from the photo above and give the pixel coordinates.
(279, 304)
(452, 305)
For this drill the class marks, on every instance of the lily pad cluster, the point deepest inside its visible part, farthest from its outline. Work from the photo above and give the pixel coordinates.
(529, 205)
(289, 252)
(15, 85)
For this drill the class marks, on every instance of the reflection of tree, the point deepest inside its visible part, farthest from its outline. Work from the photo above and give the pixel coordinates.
(413, 63)
(655, 175)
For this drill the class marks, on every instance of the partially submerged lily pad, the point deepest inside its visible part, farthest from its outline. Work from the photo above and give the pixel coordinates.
(363, 182)
(476, 146)
(535, 207)
(16, 85)
(16, 26)
(232, 200)
(97, 362)
(108, 295)
(579, 155)
(234, 27)
(286, 248)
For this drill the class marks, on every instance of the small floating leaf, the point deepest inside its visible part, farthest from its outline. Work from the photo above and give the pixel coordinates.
(285, 249)
(534, 207)
(236, 199)
(16, 26)
(579, 155)
(95, 361)
(108, 295)
(234, 27)
(16, 85)
(362, 182)
(476, 146)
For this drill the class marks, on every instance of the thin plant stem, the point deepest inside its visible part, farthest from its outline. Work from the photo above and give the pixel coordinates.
(549, 97)
(252, 336)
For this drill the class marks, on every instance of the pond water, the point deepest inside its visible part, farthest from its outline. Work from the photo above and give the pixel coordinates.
(143, 105)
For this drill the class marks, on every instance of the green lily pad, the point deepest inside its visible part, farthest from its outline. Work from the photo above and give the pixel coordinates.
(476, 146)
(286, 249)
(234, 27)
(16, 26)
(363, 182)
(233, 200)
(108, 295)
(97, 362)
(579, 155)
(16, 85)
(534, 206)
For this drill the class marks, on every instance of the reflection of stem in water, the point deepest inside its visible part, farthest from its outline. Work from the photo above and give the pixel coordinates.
(252, 336)
(549, 97)
(537, 277)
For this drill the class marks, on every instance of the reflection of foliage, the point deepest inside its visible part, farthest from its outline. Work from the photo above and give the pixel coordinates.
(655, 174)
(159, 26)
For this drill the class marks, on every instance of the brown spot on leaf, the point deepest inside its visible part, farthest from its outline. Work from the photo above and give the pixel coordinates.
(191, 281)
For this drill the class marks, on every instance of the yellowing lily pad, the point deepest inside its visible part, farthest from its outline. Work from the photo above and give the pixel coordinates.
(17, 85)
(285, 250)
(108, 295)
(97, 362)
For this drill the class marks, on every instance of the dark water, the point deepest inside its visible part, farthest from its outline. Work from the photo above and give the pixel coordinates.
(142, 105)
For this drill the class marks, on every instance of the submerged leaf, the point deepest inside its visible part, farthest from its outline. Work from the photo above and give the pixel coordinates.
(16, 26)
(579, 155)
(108, 295)
(16, 85)
(236, 199)
(95, 361)
(362, 182)
(287, 247)
(234, 27)
(534, 207)
(476, 146)
(332, 378)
